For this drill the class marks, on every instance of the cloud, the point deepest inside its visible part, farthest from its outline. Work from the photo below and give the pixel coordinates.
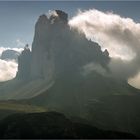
(90, 67)
(7, 48)
(135, 81)
(52, 13)
(8, 68)
(20, 43)
(119, 35)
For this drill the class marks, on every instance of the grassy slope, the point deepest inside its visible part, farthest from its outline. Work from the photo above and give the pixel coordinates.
(10, 107)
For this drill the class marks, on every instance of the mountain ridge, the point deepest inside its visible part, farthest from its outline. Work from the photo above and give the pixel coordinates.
(51, 125)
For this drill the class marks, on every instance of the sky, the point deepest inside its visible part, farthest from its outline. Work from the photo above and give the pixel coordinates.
(115, 25)
(17, 18)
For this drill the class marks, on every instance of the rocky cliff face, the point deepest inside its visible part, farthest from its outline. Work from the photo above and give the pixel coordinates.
(58, 52)
(24, 64)
(57, 49)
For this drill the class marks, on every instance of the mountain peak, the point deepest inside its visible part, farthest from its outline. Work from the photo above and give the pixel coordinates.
(58, 49)
(42, 18)
(62, 15)
(59, 16)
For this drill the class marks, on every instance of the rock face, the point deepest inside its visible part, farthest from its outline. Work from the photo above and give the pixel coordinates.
(57, 49)
(24, 64)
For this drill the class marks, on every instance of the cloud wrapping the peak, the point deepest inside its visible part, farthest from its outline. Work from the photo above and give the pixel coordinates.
(121, 36)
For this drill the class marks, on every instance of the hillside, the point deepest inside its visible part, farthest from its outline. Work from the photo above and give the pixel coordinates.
(51, 125)
(76, 91)
(11, 107)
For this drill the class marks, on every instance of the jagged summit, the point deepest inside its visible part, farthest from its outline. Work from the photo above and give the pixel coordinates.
(56, 48)
(24, 63)
(57, 16)
(42, 19)
(61, 16)
(57, 51)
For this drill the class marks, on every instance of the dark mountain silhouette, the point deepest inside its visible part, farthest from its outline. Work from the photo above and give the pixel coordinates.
(56, 50)
(117, 112)
(51, 125)
(72, 94)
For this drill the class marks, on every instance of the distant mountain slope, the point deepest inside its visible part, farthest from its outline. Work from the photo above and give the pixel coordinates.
(51, 125)
(18, 89)
(114, 105)
(116, 112)
(73, 93)
(11, 107)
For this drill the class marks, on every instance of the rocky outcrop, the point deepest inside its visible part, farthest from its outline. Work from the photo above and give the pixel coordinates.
(47, 30)
(59, 16)
(57, 49)
(24, 64)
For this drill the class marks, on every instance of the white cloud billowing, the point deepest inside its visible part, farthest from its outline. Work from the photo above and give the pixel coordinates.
(8, 68)
(88, 68)
(135, 81)
(8, 48)
(119, 35)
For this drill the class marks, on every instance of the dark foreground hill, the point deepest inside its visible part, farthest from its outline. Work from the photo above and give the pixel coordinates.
(51, 125)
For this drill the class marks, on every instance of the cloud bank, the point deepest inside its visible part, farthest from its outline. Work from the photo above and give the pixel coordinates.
(7, 48)
(8, 68)
(119, 35)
